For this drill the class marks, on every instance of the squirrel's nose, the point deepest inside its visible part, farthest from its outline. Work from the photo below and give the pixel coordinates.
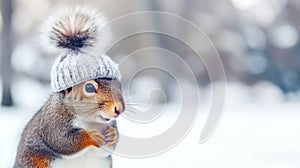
(119, 108)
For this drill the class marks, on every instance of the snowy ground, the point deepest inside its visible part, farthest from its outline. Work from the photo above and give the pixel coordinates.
(259, 128)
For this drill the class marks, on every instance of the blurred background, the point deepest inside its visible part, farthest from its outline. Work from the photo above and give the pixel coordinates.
(257, 40)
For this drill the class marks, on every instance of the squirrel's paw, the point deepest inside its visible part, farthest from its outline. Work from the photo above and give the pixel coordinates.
(111, 137)
(97, 137)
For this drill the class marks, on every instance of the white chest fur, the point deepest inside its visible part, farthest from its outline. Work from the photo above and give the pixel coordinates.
(91, 157)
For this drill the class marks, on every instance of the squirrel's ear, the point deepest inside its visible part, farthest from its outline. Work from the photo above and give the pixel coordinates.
(66, 91)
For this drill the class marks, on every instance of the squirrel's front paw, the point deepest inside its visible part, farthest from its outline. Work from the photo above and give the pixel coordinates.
(111, 137)
(97, 137)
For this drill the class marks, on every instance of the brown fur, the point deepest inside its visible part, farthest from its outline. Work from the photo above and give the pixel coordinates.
(51, 134)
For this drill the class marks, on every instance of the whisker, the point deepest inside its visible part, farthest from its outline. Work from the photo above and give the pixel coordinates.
(136, 101)
(138, 107)
(90, 111)
(133, 97)
(135, 104)
(135, 116)
(132, 92)
(134, 113)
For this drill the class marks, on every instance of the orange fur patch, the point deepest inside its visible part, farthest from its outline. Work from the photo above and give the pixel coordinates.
(41, 161)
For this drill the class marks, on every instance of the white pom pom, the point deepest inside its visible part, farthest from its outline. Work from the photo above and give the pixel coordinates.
(79, 29)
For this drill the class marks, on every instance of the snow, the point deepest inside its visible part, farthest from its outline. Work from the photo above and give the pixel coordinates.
(259, 128)
(252, 135)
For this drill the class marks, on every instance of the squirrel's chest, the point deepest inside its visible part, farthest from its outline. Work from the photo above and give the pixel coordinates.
(88, 158)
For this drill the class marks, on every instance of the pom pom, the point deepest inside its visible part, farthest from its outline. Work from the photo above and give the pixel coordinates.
(79, 29)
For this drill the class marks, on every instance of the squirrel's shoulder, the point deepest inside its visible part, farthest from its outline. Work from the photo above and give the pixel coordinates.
(53, 110)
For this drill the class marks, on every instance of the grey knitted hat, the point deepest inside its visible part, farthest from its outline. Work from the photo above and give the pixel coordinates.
(79, 36)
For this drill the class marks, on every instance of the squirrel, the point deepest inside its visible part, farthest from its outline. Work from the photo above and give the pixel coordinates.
(76, 127)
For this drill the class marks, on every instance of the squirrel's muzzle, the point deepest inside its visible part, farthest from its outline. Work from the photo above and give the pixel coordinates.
(118, 108)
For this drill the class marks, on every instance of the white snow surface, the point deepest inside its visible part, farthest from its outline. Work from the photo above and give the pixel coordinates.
(259, 128)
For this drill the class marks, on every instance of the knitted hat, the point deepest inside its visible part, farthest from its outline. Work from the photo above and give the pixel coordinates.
(79, 37)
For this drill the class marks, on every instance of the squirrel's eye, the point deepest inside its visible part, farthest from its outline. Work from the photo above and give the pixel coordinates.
(90, 88)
